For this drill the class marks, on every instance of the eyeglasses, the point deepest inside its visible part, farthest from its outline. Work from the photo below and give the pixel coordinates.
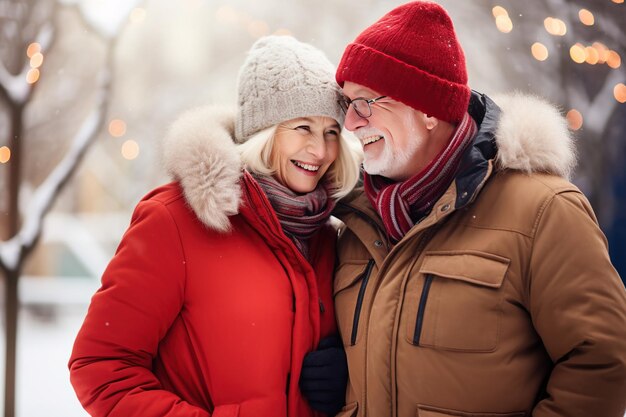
(362, 106)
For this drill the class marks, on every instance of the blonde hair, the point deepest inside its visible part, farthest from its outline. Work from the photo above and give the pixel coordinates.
(342, 175)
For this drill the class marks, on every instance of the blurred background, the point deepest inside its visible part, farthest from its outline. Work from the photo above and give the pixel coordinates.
(88, 88)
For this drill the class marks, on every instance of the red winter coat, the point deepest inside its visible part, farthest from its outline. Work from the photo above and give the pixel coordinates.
(194, 321)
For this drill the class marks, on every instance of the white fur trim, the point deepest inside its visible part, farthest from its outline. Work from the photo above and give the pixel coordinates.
(199, 151)
(532, 135)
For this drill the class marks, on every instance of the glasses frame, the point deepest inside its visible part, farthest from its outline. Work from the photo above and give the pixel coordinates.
(345, 103)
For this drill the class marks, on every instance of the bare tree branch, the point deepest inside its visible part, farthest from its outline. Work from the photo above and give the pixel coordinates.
(13, 251)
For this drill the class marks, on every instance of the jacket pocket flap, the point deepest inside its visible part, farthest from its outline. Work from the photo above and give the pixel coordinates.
(479, 268)
(347, 274)
(427, 411)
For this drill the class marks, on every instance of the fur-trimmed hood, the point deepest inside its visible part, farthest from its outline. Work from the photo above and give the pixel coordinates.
(532, 136)
(199, 151)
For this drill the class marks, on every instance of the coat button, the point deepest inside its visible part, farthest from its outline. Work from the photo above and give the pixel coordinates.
(378, 243)
(445, 207)
(464, 194)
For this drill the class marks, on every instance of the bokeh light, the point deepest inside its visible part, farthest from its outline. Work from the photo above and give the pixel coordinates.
(603, 52)
(130, 150)
(586, 17)
(504, 24)
(554, 26)
(499, 11)
(539, 51)
(36, 60)
(613, 60)
(574, 119)
(577, 53)
(32, 49)
(5, 154)
(620, 92)
(117, 128)
(591, 55)
(32, 76)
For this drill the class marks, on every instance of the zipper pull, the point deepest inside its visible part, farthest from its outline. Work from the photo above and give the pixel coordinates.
(322, 308)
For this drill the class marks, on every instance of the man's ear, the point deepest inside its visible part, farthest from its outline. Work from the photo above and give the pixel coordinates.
(430, 122)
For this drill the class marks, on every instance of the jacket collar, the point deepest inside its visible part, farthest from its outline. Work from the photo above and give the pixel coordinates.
(199, 152)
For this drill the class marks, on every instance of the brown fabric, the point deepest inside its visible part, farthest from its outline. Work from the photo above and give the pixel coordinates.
(514, 316)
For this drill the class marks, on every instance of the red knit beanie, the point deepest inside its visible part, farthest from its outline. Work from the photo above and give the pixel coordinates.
(411, 55)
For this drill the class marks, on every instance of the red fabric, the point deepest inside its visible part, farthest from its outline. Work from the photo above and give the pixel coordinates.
(189, 321)
(412, 55)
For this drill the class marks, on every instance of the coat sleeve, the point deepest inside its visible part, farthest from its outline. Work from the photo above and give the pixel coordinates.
(578, 307)
(141, 295)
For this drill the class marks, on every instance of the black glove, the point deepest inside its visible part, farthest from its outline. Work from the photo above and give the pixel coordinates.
(325, 375)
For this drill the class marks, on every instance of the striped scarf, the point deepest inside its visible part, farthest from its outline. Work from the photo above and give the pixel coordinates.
(300, 215)
(403, 204)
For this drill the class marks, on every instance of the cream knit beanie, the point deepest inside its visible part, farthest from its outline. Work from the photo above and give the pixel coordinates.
(284, 79)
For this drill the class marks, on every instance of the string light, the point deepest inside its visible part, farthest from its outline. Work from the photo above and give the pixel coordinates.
(603, 52)
(539, 51)
(504, 24)
(577, 53)
(586, 17)
(130, 150)
(117, 128)
(36, 60)
(613, 60)
(620, 93)
(32, 76)
(555, 26)
(499, 11)
(574, 119)
(592, 55)
(5, 154)
(32, 49)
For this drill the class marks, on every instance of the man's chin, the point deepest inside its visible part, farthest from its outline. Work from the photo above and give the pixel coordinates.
(375, 167)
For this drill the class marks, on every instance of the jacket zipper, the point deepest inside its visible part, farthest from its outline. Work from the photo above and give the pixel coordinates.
(420, 310)
(359, 301)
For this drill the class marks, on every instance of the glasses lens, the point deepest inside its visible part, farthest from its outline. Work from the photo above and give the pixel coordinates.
(362, 107)
(344, 104)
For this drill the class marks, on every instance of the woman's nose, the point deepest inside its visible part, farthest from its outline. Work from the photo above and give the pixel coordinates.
(317, 146)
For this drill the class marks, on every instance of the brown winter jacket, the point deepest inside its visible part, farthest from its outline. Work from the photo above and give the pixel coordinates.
(501, 302)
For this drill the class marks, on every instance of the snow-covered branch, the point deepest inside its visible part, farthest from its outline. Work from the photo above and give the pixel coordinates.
(15, 87)
(12, 252)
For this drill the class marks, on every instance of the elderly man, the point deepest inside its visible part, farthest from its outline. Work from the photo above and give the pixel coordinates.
(473, 279)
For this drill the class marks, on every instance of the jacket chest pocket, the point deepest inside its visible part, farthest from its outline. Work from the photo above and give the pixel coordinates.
(350, 289)
(458, 305)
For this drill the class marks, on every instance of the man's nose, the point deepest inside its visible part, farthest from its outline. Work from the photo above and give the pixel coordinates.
(353, 120)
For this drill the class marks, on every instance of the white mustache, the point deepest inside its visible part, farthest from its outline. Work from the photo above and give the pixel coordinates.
(366, 132)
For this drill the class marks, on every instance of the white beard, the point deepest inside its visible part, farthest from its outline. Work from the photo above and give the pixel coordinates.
(393, 159)
(390, 161)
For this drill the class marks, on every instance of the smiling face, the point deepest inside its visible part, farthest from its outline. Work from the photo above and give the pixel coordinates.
(396, 138)
(303, 150)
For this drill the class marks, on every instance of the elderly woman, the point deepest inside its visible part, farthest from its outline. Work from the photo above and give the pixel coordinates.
(222, 283)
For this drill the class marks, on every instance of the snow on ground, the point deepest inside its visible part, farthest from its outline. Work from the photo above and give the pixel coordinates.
(44, 345)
